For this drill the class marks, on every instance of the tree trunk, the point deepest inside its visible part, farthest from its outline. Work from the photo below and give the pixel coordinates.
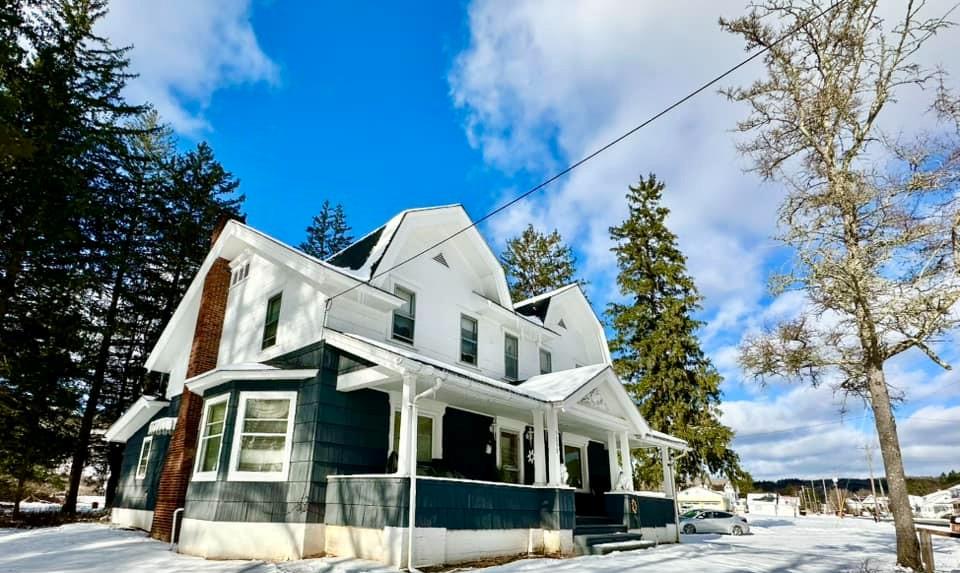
(96, 386)
(114, 463)
(16, 502)
(908, 548)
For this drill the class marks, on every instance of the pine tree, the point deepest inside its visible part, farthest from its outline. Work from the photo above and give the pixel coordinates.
(536, 263)
(655, 345)
(328, 232)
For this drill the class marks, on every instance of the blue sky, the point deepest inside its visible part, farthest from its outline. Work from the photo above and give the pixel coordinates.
(385, 106)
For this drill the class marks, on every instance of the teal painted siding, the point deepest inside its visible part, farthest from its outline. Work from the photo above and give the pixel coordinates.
(133, 493)
(334, 433)
(648, 512)
(382, 501)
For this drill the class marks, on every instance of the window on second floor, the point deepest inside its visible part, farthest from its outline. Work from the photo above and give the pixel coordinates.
(404, 317)
(546, 362)
(468, 340)
(511, 350)
(272, 321)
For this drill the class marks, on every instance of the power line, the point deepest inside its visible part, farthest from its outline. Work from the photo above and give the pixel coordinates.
(598, 151)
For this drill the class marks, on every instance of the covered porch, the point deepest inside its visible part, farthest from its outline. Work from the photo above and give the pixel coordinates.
(529, 460)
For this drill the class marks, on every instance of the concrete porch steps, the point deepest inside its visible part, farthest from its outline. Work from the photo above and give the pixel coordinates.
(597, 536)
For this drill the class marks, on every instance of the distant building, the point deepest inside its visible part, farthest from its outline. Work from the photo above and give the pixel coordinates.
(772, 504)
(697, 497)
(939, 503)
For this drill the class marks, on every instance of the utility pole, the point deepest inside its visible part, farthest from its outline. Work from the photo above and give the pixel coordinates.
(868, 449)
(826, 496)
(836, 486)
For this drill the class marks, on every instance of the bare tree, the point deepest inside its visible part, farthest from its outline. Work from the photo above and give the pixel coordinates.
(870, 219)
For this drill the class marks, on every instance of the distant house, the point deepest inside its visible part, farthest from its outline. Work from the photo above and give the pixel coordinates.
(939, 503)
(302, 395)
(697, 497)
(772, 504)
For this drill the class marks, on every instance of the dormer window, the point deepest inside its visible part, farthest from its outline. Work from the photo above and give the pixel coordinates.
(404, 318)
(240, 274)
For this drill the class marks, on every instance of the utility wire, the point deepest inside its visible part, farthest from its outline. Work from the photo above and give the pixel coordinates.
(600, 150)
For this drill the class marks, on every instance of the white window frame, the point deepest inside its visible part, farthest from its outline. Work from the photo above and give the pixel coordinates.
(460, 360)
(233, 474)
(541, 350)
(515, 336)
(511, 426)
(210, 475)
(145, 446)
(391, 336)
(426, 408)
(581, 442)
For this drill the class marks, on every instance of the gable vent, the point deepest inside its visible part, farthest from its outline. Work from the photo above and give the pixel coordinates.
(562, 324)
(441, 259)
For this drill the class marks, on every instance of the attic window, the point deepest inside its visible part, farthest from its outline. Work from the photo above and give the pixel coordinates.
(441, 259)
(562, 324)
(240, 274)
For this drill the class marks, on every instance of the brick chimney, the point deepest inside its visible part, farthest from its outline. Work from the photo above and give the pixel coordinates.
(178, 465)
(222, 220)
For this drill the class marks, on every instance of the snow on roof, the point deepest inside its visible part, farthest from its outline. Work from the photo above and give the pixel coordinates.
(553, 387)
(544, 296)
(361, 258)
(558, 386)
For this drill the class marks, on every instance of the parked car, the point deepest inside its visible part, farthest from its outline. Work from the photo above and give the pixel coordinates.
(710, 521)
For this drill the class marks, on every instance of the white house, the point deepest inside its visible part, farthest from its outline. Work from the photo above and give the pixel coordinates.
(304, 396)
(939, 503)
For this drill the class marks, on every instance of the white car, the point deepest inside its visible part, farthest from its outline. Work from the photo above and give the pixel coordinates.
(711, 521)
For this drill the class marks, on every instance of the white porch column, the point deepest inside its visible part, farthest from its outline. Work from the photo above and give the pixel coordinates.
(667, 463)
(406, 401)
(626, 460)
(553, 446)
(539, 456)
(614, 465)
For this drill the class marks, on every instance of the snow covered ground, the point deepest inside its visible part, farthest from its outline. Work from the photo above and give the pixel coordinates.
(802, 545)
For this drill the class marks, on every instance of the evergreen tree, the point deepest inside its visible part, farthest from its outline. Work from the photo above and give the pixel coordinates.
(655, 345)
(536, 263)
(328, 232)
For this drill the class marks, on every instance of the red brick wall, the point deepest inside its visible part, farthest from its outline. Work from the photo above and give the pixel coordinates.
(178, 466)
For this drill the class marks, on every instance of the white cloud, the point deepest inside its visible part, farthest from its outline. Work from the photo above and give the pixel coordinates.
(543, 83)
(184, 51)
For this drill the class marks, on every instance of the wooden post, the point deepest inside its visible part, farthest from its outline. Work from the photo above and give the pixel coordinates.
(926, 551)
(539, 455)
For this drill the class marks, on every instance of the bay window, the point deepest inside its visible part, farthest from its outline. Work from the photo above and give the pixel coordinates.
(262, 436)
(211, 438)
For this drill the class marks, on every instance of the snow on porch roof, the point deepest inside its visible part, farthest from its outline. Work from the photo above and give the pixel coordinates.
(549, 388)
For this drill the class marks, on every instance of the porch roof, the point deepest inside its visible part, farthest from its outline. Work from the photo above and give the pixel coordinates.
(573, 389)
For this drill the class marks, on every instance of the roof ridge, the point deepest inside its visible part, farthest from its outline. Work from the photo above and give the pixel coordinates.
(546, 295)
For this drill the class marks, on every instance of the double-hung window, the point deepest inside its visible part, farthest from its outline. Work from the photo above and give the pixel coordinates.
(405, 316)
(144, 460)
(272, 321)
(262, 437)
(211, 437)
(468, 340)
(511, 350)
(546, 362)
